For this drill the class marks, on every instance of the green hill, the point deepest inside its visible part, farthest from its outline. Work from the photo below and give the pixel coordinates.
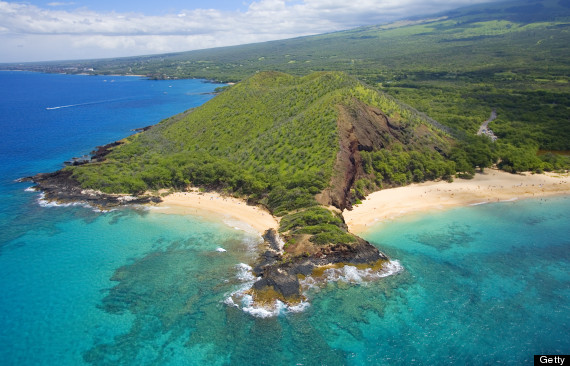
(280, 140)
(295, 145)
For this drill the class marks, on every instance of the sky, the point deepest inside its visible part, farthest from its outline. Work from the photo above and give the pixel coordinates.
(46, 30)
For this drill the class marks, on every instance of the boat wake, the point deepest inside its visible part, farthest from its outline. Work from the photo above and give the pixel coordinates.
(87, 103)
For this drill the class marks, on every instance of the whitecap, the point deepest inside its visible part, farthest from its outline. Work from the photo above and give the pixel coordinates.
(126, 198)
(221, 250)
(351, 274)
(299, 308)
(264, 311)
(230, 302)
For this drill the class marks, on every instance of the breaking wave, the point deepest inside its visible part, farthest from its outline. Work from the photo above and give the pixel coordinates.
(242, 298)
(42, 201)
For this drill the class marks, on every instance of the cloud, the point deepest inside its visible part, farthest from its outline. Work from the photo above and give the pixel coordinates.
(104, 34)
(60, 4)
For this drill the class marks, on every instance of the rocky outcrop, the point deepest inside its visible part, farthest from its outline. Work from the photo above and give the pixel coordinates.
(280, 273)
(61, 187)
(101, 152)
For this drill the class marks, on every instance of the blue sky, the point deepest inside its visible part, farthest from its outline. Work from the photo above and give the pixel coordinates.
(45, 30)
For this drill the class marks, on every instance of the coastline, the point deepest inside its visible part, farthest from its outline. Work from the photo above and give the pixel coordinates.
(212, 204)
(491, 186)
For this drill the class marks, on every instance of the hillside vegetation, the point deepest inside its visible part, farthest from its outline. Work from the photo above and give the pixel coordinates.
(289, 143)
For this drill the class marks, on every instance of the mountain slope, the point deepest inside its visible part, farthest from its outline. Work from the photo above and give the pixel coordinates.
(276, 138)
(295, 145)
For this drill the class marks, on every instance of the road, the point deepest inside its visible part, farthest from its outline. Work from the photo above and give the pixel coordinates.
(484, 128)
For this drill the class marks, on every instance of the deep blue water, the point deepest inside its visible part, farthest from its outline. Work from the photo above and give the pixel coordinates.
(481, 285)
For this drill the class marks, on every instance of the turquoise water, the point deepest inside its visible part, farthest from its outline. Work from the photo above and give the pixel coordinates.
(61, 299)
(481, 285)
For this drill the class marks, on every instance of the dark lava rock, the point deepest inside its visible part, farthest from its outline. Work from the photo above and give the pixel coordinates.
(282, 277)
(61, 187)
(271, 238)
(142, 129)
(361, 252)
(267, 258)
(305, 268)
(102, 151)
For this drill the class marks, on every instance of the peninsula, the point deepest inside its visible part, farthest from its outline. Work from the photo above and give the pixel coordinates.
(301, 148)
(296, 152)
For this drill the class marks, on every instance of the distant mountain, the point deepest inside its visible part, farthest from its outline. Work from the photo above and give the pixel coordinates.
(456, 67)
(525, 11)
(365, 52)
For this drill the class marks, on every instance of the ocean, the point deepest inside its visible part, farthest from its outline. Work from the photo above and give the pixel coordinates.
(479, 285)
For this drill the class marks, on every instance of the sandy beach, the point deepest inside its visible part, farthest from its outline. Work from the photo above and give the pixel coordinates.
(491, 186)
(212, 205)
(387, 204)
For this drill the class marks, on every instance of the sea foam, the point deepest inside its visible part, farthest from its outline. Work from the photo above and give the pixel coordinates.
(42, 201)
(242, 298)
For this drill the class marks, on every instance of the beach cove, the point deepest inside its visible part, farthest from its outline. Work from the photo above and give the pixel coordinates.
(387, 204)
(216, 206)
(491, 186)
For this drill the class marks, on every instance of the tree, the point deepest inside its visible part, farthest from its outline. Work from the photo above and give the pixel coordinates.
(480, 151)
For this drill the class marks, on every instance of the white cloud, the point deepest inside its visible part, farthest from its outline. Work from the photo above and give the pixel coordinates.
(60, 4)
(61, 34)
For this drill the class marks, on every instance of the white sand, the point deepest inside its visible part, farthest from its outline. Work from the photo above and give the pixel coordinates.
(212, 204)
(491, 186)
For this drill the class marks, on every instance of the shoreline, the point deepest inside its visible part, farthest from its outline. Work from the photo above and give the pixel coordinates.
(491, 186)
(215, 205)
